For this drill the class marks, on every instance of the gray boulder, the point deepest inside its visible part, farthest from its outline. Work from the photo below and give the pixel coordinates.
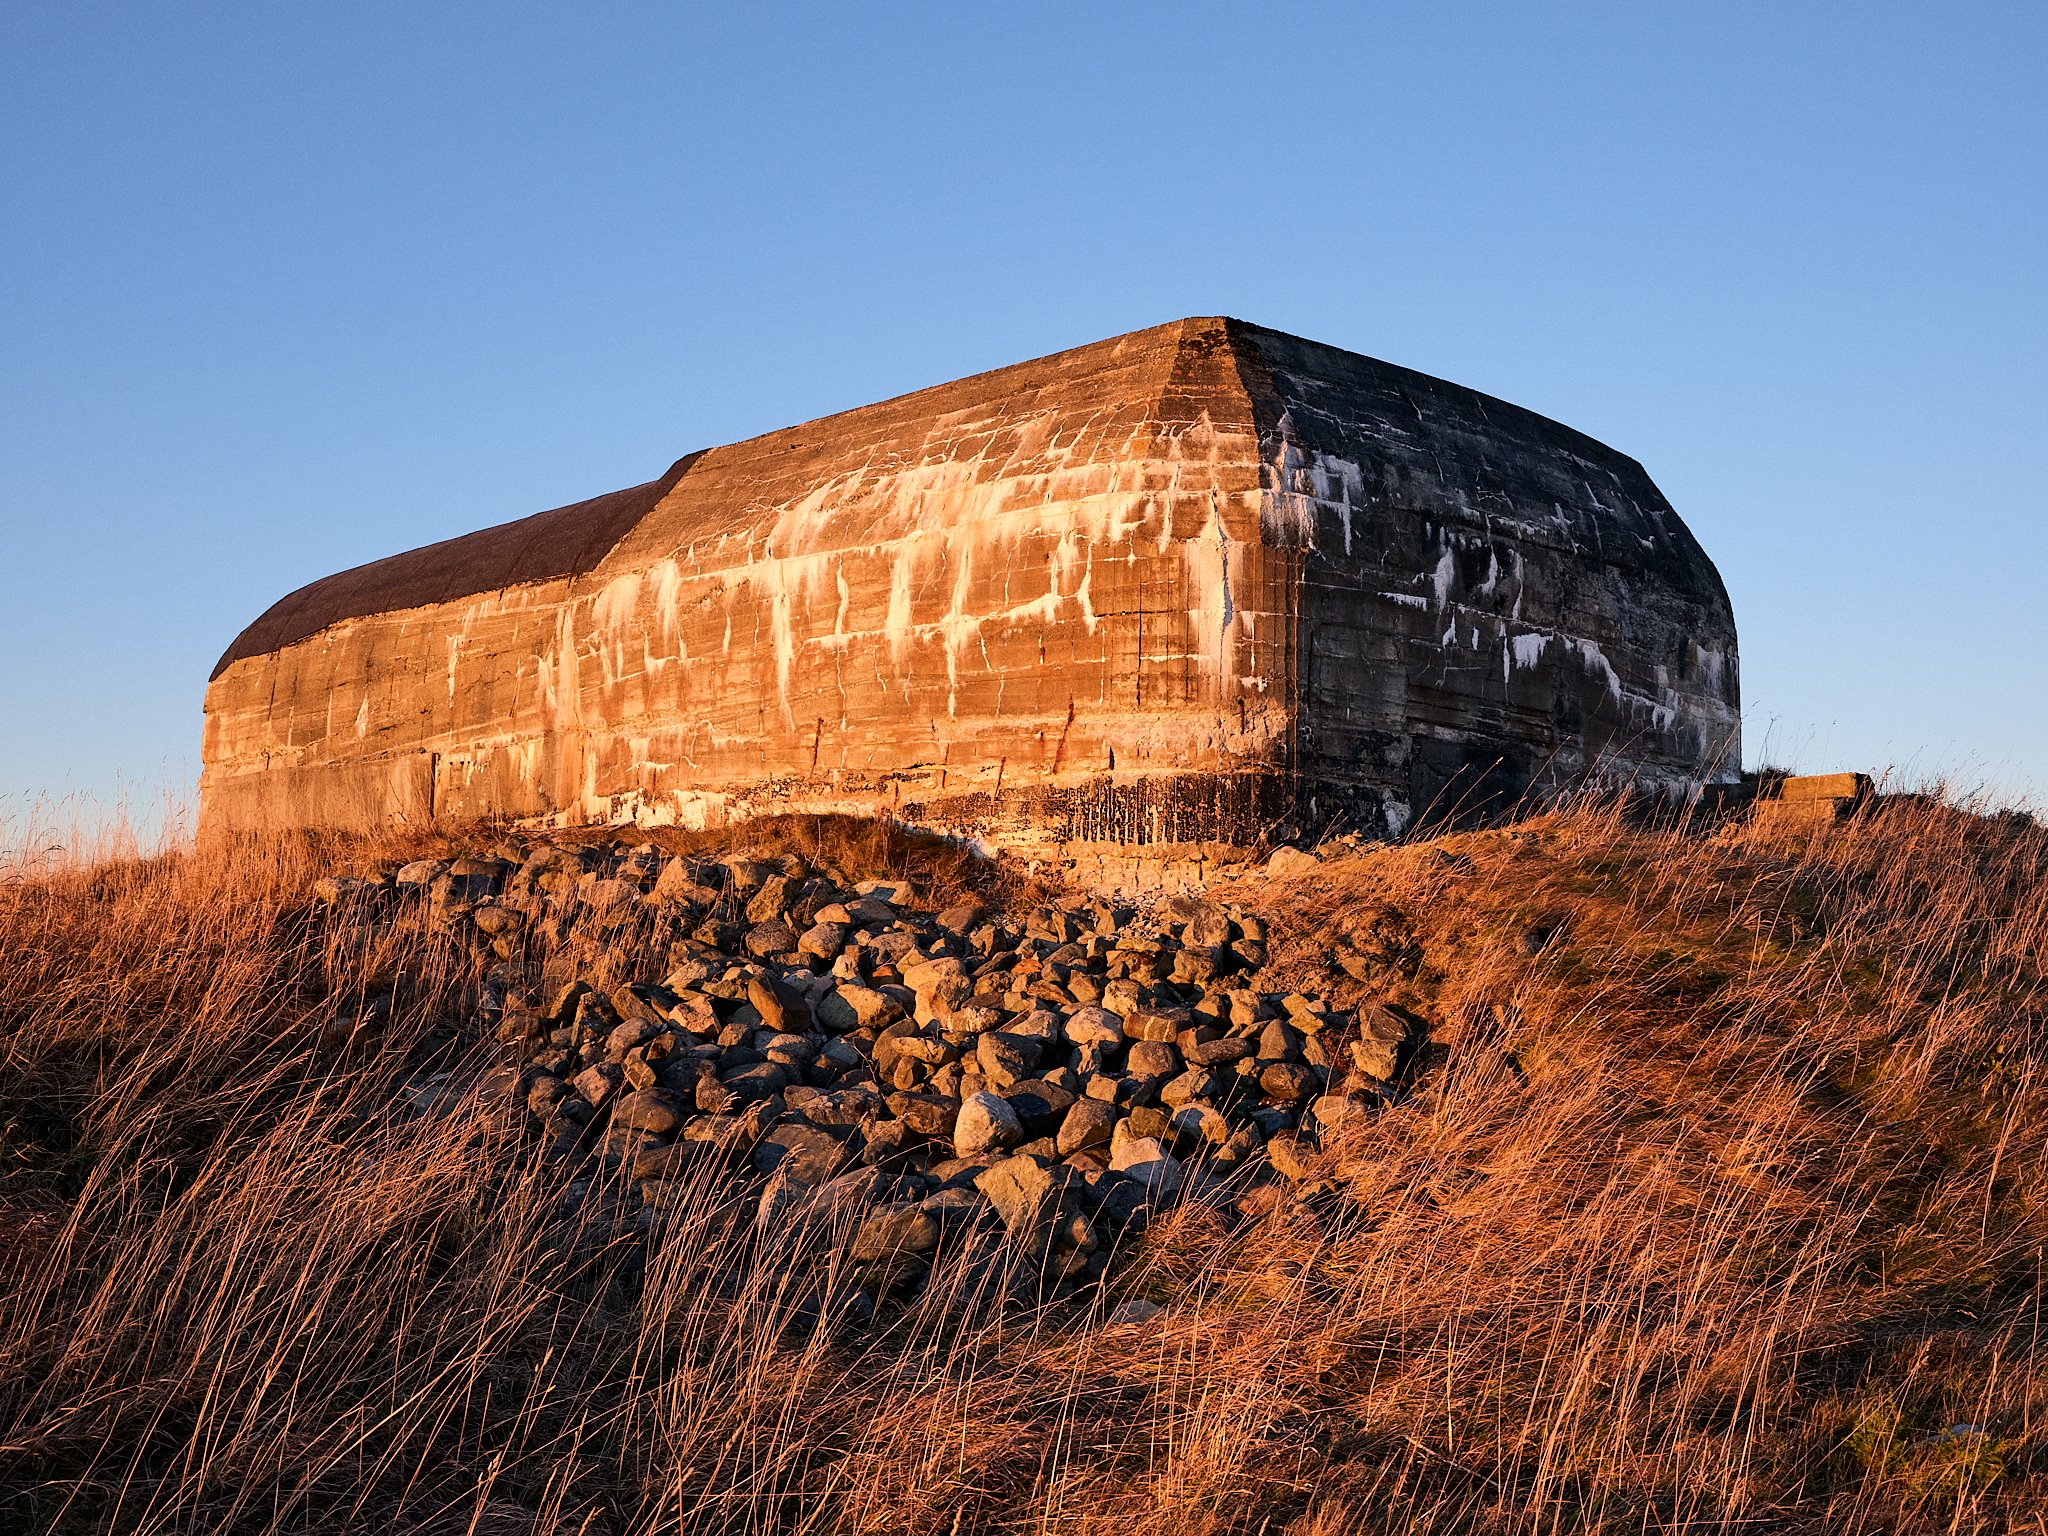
(985, 1124)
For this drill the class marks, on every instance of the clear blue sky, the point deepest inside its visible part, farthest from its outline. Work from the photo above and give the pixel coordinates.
(284, 288)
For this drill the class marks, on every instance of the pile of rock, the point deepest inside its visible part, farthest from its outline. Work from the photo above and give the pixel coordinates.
(1060, 1069)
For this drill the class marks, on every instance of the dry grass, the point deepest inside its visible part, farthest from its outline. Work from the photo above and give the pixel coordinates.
(1722, 1210)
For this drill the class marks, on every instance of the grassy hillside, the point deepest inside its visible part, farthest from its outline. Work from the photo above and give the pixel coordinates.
(1711, 1198)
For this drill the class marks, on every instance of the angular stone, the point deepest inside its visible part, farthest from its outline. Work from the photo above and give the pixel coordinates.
(655, 1110)
(770, 900)
(887, 1143)
(1144, 1120)
(1094, 1026)
(626, 1144)
(638, 1073)
(1387, 1023)
(1122, 997)
(892, 1230)
(1152, 1058)
(1279, 1042)
(1113, 1090)
(1287, 862)
(566, 998)
(852, 1006)
(1031, 1201)
(842, 1107)
(1146, 1160)
(1294, 1158)
(960, 1172)
(676, 1160)
(1195, 1083)
(597, 1084)
(606, 895)
(1307, 1014)
(1238, 1148)
(1006, 1059)
(1217, 1053)
(961, 918)
(633, 1032)
(955, 1206)
(733, 1131)
(927, 1049)
(693, 971)
(1374, 1059)
(1334, 1109)
(1120, 1201)
(333, 890)
(1288, 1080)
(926, 1114)
(1087, 1124)
(545, 1092)
(1040, 1105)
(973, 1019)
(823, 940)
(755, 1082)
(419, 874)
(713, 1097)
(774, 937)
(941, 994)
(1196, 1123)
(781, 1006)
(680, 881)
(803, 1152)
(1154, 1024)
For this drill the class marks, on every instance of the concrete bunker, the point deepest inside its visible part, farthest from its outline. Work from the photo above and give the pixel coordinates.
(1183, 586)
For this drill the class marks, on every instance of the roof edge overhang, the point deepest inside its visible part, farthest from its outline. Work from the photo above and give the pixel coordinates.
(547, 546)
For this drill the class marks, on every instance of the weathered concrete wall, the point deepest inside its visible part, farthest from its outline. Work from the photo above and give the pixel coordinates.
(1489, 600)
(1167, 588)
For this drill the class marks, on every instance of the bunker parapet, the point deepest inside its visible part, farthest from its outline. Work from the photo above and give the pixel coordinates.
(1181, 586)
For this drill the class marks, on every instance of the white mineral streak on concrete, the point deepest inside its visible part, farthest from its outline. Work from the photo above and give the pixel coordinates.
(669, 581)
(780, 631)
(1712, 664)
(1339, 484)
(1662, 711)
(1206, 563)
(839, 636)
(565, 700)
(896, 624)
(1088, 616)
(1595, 661)
(1527, 650)
(1287, 515)
(957, 627)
